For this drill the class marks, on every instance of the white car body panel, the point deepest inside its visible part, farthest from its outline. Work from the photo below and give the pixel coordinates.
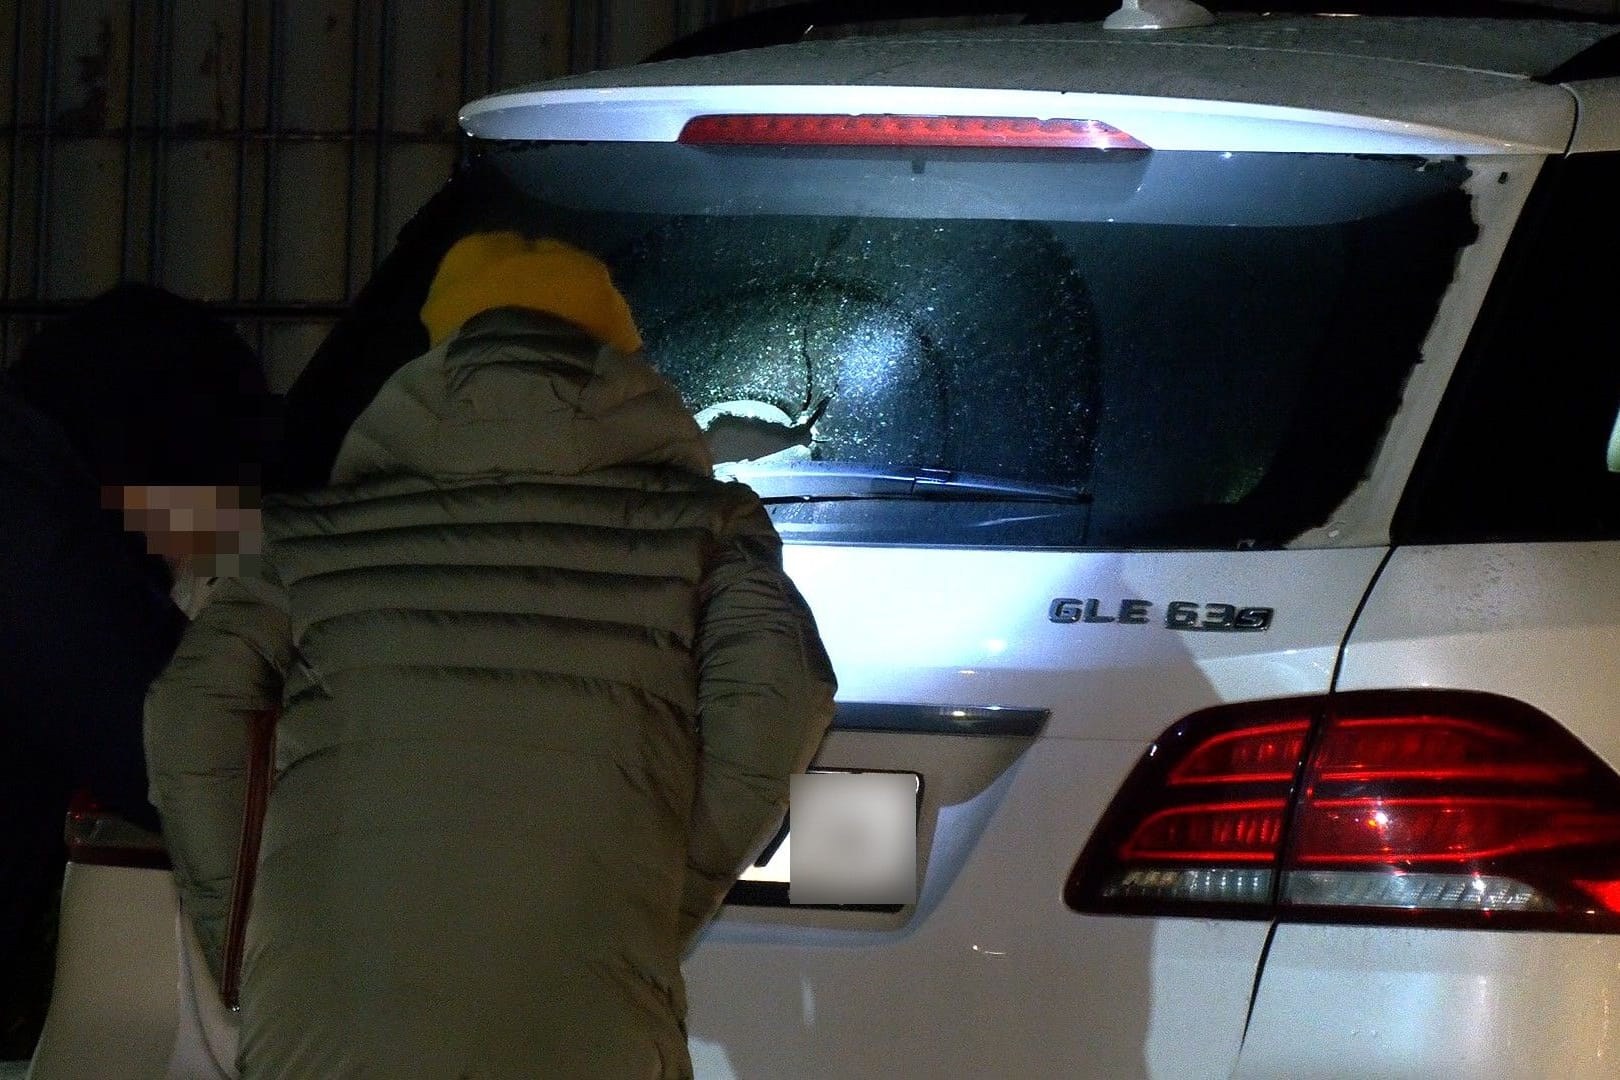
(1598, 106)
(786, 993)
(115, 1010)
(1411, 1003)
(967, 627)
(996, 955)
(133, 997)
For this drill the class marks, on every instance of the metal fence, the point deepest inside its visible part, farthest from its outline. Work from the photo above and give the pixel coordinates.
(257, 154)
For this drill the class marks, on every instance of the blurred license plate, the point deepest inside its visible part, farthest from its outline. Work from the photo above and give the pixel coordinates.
(766, 883)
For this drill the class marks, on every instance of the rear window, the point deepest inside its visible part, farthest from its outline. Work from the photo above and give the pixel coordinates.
(1026, 348)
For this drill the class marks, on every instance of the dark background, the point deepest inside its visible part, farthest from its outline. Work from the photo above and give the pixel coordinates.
(258, 154)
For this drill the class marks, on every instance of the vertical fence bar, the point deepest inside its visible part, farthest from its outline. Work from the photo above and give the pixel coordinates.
(163, 12)
(492, 33)
(126, 237)
(272, 133)
(240, 234)
(42, 197)
(11, 177)
(379, 209)
(576, 37)
(466, 54)
(271, 157)
(466, 85)
(351, 198)
(16, 145)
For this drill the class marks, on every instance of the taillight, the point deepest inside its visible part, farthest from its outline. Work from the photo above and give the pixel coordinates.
(1436, 806)
(98, 837)
(777, 129)
(1199, 826)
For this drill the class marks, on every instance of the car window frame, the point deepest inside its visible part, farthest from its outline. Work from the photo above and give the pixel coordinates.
(1541, 291)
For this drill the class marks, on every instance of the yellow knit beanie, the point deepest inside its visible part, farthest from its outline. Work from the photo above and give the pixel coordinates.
(502, 269)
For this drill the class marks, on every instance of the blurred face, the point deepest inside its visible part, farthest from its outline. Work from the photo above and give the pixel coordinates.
(206, 530)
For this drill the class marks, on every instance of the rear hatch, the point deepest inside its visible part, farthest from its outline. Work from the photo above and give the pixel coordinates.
(1070, 436)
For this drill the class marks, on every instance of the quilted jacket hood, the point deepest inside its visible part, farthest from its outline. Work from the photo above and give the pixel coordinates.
(519, 394)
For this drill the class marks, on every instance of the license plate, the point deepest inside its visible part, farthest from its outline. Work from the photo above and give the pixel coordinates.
(767, 882)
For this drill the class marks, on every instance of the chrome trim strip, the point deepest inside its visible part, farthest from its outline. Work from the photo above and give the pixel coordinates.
(940, 719)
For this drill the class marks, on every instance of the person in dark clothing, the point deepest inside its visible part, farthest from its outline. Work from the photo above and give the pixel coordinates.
(137, 387)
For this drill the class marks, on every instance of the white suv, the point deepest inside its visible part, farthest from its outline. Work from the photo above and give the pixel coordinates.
(1199, 448)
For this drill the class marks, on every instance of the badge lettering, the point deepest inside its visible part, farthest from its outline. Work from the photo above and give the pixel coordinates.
(1178, 614)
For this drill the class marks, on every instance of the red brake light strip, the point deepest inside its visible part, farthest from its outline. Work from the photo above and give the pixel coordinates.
(872, 129)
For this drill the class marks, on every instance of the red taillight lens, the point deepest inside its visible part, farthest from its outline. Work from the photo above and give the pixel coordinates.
(772, 129)
(1606, 893)
(1263, 752)
(1211, 832)
(1415, 746)
(1452, 829)
(1452, 807)
(97, 837)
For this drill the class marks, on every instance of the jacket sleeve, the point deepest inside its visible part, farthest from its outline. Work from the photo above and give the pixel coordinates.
(765, 699)
(230, 664)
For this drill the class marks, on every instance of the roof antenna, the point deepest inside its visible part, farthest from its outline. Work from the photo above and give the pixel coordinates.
(1158, 15)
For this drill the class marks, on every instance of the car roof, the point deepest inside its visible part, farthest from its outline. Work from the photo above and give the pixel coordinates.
(1518, 47)
(1474, 76)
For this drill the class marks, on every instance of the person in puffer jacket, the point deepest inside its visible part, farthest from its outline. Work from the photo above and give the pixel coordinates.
(542, 685)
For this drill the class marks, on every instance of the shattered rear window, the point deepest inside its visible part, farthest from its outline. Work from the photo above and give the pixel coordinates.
(1071, 349)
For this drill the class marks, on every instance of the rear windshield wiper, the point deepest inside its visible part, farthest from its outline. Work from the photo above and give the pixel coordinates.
(829, 481)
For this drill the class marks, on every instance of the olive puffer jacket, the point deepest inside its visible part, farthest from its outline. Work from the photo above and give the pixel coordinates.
(543, 683)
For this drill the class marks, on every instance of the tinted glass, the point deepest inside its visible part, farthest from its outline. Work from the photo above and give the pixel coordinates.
(1021, 348)
(1522, 447)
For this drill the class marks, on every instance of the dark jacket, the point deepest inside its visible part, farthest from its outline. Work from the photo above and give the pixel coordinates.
(137, 386)
(85, 617)
(85, 624)
(544, 683)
